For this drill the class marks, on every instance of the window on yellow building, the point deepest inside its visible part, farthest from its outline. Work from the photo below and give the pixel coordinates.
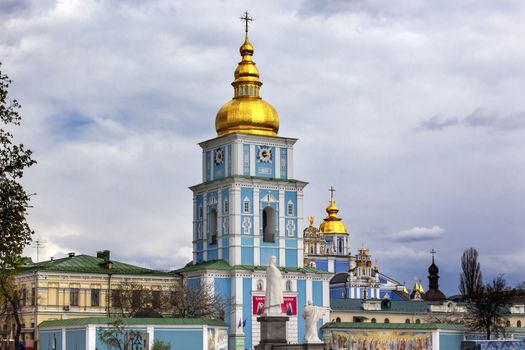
(73, 296)
(155, 299)
(95, 297)
(136, 297)
(116, 298)
(33, 296)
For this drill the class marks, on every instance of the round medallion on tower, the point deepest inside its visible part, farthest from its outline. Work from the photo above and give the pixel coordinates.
(247, 112)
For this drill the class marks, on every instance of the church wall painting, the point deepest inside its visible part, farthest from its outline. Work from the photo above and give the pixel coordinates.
(378, 340)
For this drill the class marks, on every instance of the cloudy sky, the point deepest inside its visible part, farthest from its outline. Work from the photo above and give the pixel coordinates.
(414, 111)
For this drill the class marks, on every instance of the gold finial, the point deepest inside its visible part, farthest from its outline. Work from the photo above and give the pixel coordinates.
(331, 190)
(246, 18)
(311, 220)
(247, 112)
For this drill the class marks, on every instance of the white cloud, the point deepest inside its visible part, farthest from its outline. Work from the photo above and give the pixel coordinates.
(117, 95)
(419, 234)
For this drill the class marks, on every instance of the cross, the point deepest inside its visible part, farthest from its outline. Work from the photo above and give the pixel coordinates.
(331, 190)
(246, 18)
(433, 252)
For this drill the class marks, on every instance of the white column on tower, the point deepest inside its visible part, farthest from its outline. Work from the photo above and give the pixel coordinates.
(235, 225)
(219, 224)
(256, 230)
(205, 226)
(252, 160)
(290, 163)
(277, 158)
(300, 244)
(282, 228)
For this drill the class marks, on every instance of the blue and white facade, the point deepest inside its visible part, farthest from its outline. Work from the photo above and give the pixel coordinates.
(248, 188)
(248, 208)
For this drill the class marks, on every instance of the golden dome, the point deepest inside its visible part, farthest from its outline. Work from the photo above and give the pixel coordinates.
(332, 224)
(247, 112)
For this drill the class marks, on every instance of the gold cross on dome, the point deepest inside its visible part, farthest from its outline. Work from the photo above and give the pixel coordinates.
(331, 190)
(433, 252)
(246, 18)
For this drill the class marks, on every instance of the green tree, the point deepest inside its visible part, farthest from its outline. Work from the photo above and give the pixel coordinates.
(15, 232)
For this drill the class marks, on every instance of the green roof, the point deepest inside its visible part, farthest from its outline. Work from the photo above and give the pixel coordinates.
(411, 326)
(132, 322)
(89, 264)
(223, 265)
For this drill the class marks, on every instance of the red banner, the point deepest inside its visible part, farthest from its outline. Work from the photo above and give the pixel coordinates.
(288, 307)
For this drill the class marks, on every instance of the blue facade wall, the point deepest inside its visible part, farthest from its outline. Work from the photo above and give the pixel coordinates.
(450, 341)
(341, 266)
(246, 160)
(180, 338)
(76, 339)
(321, 265)
(317, 296)
(51, 339)
(247, 255)
(247, 311)
(291, 258)
(222, 289)
(229, 165)
(266, 253)
(284, 163)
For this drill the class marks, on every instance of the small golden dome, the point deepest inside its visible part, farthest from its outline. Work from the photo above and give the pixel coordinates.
(247, 112)
(332, 224)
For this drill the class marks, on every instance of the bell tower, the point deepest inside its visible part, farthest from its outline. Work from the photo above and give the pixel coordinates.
(248, 206)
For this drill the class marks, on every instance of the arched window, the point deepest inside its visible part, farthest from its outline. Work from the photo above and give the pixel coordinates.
(213, 226)
(288, 286)
(290, 208)
(246, 205)
(200, 212)
(407, 320)
(268, 221)
(507, 323)
(387, 320)
(340, 245)
(338, 319)
(518, 324)
(311, 247)
(418, 321)
(373, 320)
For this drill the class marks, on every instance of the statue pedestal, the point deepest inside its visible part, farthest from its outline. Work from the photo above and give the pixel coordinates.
(273, 331)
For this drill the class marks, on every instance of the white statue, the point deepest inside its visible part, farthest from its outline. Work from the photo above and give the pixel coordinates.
(311, 315)
(274, 289)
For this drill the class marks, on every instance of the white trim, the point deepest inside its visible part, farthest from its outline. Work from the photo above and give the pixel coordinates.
(256, 230)
(277, 162)
(252, 160)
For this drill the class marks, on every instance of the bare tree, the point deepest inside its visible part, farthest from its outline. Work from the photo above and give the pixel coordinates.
(11, 304)
(131, 299)
(470, 281)
(195, 301)
(488, 310)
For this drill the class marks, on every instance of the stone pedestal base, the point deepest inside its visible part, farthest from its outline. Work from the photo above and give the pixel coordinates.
(273, 332)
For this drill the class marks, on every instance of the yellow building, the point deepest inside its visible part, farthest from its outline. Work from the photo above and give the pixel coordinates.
(81, 286)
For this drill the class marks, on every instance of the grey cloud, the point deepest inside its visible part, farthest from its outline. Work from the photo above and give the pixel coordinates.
(480, 117)
(10, 8)
(437, 123)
